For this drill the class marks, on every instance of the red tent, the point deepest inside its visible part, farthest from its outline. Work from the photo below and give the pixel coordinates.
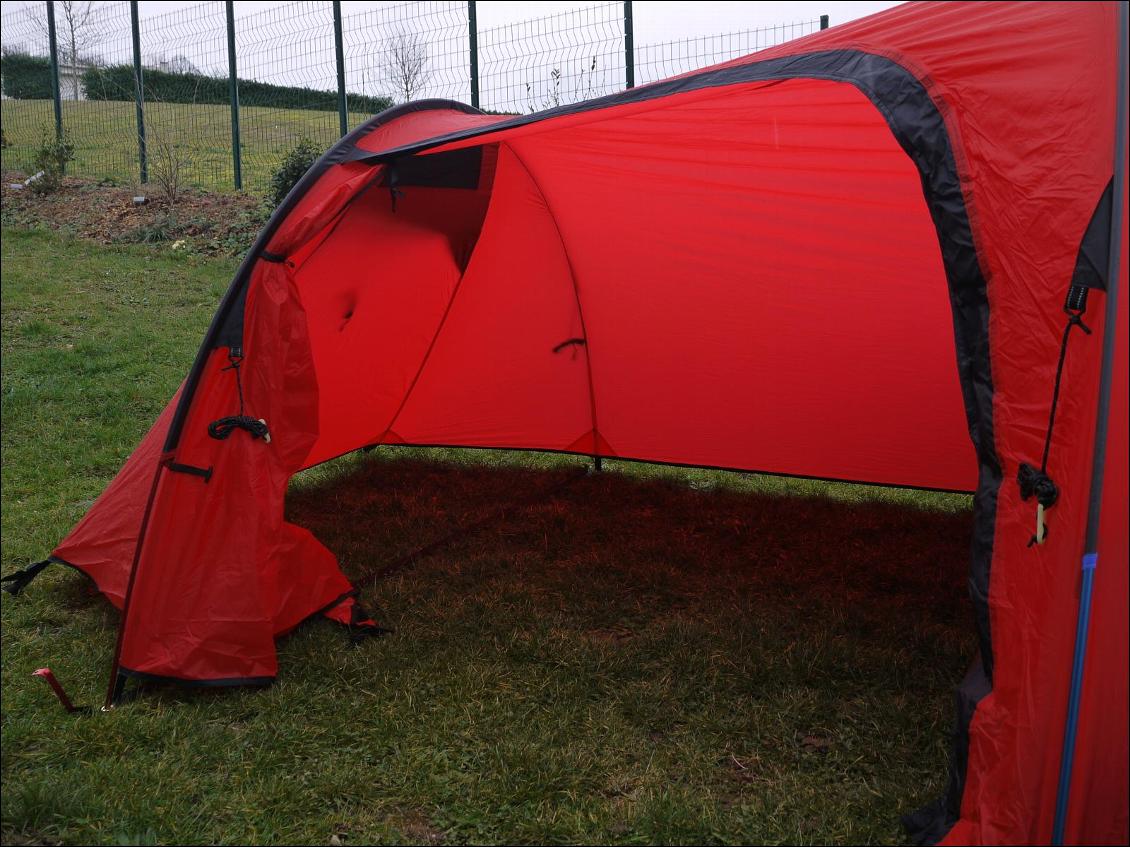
(772, 264)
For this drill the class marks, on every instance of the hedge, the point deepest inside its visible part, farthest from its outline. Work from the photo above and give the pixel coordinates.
(116, 83)
(26, 77)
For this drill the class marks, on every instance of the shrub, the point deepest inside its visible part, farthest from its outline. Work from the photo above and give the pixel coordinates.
(117, 83)
(293, 166)
(51, 159)
(26, 77)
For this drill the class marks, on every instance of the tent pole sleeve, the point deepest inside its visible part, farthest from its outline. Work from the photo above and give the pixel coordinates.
(113, 688)
(1091, 545)
(577, 296)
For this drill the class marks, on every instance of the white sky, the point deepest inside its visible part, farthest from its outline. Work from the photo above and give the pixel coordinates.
(286, 48)
(665, 20)
(655, 20)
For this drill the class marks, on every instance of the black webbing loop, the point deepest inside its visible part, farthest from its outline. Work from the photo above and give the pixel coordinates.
(1037, 483)
(192, 470)
(19, 580)
(275, 258)
(222, 428)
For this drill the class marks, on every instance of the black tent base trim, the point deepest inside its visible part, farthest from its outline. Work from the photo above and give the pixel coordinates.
(932, 822)
(229, 682)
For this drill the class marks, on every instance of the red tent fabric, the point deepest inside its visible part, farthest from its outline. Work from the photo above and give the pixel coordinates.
(775, 265)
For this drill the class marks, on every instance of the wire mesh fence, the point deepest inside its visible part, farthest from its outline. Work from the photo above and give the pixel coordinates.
(541, 63)
(27, 110)
(406, 51)
(215, 82)
(672, 58)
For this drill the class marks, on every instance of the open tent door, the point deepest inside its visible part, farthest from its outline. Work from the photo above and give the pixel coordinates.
(844, 257)
(753, 297)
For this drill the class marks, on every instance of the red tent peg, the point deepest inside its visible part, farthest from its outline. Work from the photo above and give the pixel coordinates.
(46, 674)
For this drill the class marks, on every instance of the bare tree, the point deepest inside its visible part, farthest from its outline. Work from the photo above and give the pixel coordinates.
(75, 34)
(177, 64)
(405, 64)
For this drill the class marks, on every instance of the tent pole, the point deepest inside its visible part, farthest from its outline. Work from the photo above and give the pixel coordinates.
(1091, 545)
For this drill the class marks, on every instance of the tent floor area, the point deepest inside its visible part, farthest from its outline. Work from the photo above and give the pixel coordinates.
(651, 654)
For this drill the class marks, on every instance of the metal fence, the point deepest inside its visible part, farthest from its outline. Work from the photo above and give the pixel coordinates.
(214, 101)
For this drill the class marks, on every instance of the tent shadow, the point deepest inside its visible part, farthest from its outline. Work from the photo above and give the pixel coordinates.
(655, 540)
(635, 557)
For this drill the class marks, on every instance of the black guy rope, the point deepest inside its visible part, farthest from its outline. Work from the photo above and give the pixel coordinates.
(414, 556)
(222, 428)
(1036, 482)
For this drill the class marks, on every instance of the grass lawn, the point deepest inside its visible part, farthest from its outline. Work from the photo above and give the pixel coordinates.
(651, 655)
(105, 137)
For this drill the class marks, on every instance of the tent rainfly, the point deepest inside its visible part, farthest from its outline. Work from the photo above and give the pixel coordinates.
(867, 254)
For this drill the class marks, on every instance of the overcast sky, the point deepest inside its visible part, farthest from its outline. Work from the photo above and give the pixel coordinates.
(290, 43)
(655, 20)
(664, 20)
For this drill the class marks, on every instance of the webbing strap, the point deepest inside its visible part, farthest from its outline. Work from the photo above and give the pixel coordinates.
(192, 470)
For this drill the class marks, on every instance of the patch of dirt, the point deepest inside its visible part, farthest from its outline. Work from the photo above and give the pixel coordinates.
(202, 222)
(417, 829)
(816, 743)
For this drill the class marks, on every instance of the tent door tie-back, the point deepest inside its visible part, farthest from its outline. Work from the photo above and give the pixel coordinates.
(220, 429)
(1035, 482)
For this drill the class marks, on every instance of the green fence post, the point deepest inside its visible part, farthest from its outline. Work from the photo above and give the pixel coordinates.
(823, 22)
(53, 46)
(233, 93)
(342, 105)
(139, 92)
(473, 40)
(629, 47)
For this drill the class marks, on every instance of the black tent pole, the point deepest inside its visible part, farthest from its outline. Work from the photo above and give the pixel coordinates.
(1094, 509)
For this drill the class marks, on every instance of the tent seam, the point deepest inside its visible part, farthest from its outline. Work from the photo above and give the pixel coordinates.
(576, 294)
(423, 362)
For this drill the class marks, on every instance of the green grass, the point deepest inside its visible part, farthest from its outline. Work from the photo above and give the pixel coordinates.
(105, 138)
(651, 655)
